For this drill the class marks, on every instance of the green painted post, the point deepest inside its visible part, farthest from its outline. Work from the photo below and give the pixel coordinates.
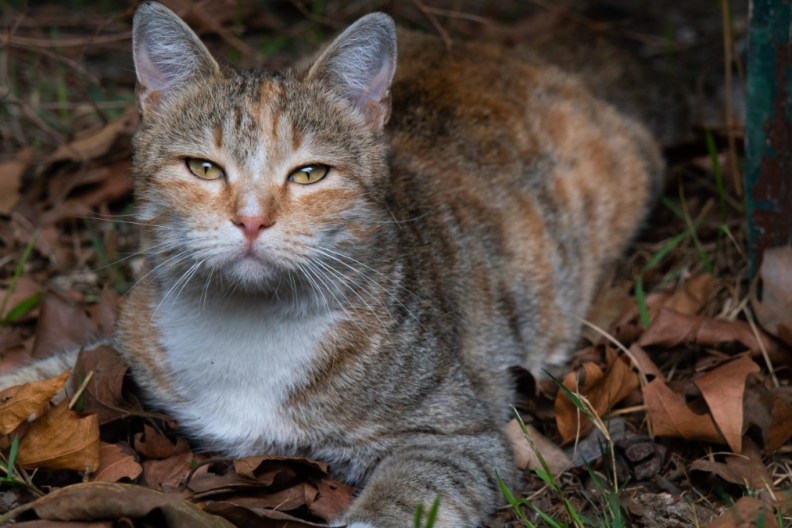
(768, 128)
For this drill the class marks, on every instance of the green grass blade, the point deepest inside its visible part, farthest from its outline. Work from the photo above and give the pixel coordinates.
(640, 299)
(432, 516)
(22, 308)
(658, 257)
(18, 271)
(712, 149)
(418, 516)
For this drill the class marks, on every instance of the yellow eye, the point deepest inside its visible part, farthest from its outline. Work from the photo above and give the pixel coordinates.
(309, 174)
(206, 170)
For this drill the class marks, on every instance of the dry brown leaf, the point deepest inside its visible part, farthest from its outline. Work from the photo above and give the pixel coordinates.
(11, 179)
(671, 416)
(27, 400)
(526, 445)
(61, 439)
(103, 394)
(220, 476)
(781, 426)
(62, 325)
(245, 518)
(332, 501)
(116, 461)
(39, 523)
(98, 142)
(670, 329)
(645, 363)
(105, 500)
(14, 349)
(774, 311)
(609, 303)
(286, 500)
(723, 389)
(154, 445)
(690, 297)
(746, 469)
(745, 513)
(256, 467)
(602, 389)
(168, 474)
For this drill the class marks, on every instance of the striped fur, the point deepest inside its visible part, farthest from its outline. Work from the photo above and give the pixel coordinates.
(373, 322)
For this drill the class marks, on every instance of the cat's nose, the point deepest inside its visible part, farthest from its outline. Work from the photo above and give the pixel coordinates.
(252, 225)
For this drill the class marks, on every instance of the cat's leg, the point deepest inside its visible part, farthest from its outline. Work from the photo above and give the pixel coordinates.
(461, 470)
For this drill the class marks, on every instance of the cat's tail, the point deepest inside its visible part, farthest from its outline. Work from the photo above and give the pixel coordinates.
(42, 369)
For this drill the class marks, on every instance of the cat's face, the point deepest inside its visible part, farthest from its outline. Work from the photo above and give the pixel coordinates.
(252, 177)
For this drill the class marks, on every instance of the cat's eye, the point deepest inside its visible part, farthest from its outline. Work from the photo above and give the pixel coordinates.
(309, 174)
(206, 170)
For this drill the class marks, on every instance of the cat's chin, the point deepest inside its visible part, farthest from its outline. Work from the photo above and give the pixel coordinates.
(252, 271)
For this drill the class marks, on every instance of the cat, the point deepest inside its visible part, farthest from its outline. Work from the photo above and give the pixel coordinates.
(346, 259)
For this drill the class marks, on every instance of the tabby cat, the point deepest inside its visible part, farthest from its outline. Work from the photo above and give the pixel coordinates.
(346, 259)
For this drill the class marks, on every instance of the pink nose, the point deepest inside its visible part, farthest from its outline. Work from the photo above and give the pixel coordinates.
(252, 225)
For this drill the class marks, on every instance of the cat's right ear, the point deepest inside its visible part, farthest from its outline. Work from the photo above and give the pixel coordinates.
(168, 55)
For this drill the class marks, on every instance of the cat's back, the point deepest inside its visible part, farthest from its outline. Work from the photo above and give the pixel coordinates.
(525, 186)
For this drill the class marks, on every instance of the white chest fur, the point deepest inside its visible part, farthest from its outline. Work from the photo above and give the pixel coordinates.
(234, 362)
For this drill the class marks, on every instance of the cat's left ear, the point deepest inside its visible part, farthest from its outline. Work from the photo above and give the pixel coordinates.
(168, 55)
(359, 64)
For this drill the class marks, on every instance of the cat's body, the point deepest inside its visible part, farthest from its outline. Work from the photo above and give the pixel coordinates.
(370, 319)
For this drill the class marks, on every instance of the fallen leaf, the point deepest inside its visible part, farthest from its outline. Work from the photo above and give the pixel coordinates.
(525, 446)
(27, 400)
(116, 461)
(332, 501)
(168, 474)
(645, 363)
(746, 469)
(723, 389)
(221, 476)
(245, 518)
(774, 311)
(61, 439)
(11, 179)
(63, 524)
(105, 500)
(747, 512)
(603, 389)
(691, 296)
(261, 467)
(671, 416)
(609, 303)
(781, 425)
(154, 445)
(98, 142)
(103, 394)
(62, 325)
(671, 329)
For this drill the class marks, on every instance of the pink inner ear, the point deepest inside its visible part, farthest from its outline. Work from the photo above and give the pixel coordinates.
(148, 74)
(377, 88)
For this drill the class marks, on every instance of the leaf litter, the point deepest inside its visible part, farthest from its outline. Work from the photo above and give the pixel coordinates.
(696, 403)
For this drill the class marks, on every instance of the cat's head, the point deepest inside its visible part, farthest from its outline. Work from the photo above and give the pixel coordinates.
(255, 176)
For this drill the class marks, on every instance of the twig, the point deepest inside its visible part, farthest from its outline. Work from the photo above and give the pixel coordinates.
(433, 20)
(81, 389)
(7, 39)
